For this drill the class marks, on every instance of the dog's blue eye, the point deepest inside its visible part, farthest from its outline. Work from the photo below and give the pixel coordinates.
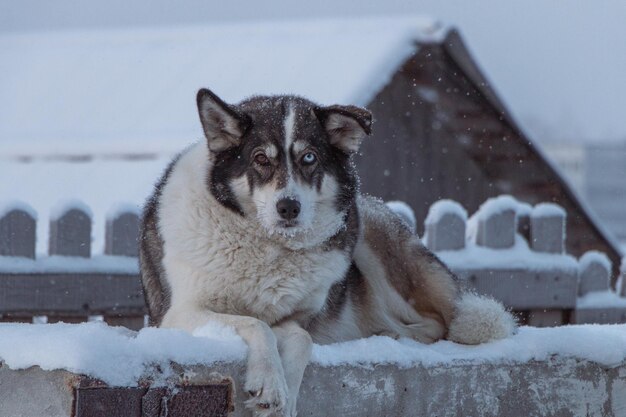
(308, 158)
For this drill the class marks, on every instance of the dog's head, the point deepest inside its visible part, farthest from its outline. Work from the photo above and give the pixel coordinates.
(284, 160)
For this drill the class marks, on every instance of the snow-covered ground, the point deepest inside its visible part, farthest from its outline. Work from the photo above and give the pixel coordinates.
(120, 357)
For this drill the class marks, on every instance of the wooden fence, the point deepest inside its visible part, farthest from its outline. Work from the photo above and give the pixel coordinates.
(516, 253)
(507, 249)
(70, 284)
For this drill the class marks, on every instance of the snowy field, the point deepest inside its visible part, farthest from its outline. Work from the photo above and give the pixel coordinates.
(98, 350)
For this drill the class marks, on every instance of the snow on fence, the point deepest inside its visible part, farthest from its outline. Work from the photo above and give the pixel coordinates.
(516, 253)
(70, 230)
(70, 284)
(510, 250)
(507, 249)
(100, 371)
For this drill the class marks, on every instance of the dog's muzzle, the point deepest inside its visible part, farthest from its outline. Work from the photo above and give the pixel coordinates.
(288, 208)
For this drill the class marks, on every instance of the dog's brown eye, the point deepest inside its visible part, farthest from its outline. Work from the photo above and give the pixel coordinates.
(261, 159)
(309, 158)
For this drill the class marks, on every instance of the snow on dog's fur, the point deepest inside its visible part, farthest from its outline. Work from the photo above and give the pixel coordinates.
(261, 227)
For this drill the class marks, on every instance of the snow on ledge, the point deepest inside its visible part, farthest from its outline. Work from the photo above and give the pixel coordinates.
(600, 299)
(8, 206)
(70, 264)
(520, 256)
(63, 207)
(116, 355)
(98, 350)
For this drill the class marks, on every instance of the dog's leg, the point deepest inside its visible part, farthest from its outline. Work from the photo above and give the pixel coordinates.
(294, 346)
(265, 379)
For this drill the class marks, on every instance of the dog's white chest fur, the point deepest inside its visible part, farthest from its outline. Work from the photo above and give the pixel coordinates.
(216, 260)
(270, 283)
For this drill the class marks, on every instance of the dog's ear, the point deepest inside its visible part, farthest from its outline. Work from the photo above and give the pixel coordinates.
(223, 124)
(346, 125)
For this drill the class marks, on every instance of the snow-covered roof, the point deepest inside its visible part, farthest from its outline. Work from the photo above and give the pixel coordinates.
(133, 90)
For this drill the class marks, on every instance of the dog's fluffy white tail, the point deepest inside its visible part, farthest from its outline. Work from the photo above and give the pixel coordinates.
(480, 319)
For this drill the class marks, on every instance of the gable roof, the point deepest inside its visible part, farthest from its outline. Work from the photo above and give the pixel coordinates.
(457, 50)
(458, 130)
(122, 89)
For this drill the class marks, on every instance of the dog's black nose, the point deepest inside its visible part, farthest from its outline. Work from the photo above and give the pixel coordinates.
(288, 208)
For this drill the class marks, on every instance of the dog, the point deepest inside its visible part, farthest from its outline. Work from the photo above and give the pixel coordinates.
(261, 226)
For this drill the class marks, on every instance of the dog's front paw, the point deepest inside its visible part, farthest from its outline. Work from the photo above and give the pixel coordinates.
(290, 409)
(268, 392)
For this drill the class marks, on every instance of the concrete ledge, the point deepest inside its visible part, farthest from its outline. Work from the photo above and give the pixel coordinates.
(556, 387)
(35, 392)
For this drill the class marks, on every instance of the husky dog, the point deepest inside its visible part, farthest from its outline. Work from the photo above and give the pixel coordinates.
(261, 227)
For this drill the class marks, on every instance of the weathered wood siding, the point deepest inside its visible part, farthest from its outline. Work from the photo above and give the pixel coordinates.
(412, 155)
(441, 132)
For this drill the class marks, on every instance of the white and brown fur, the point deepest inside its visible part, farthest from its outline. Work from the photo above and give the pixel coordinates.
(261, 227)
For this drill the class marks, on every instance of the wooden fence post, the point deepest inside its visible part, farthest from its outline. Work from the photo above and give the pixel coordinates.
(547, 228)
(18, 225)
(122, 231)
(524, 211)
(546, 234)
(445, 226)
(70, 230)
(497, 223)
(404, 211)
(594, 273)
(622, 290)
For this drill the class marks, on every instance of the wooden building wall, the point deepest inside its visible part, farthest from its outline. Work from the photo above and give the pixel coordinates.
(414, 154)
(441, 132)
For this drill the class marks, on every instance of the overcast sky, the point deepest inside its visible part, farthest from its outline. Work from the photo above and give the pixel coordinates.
(559, 65)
